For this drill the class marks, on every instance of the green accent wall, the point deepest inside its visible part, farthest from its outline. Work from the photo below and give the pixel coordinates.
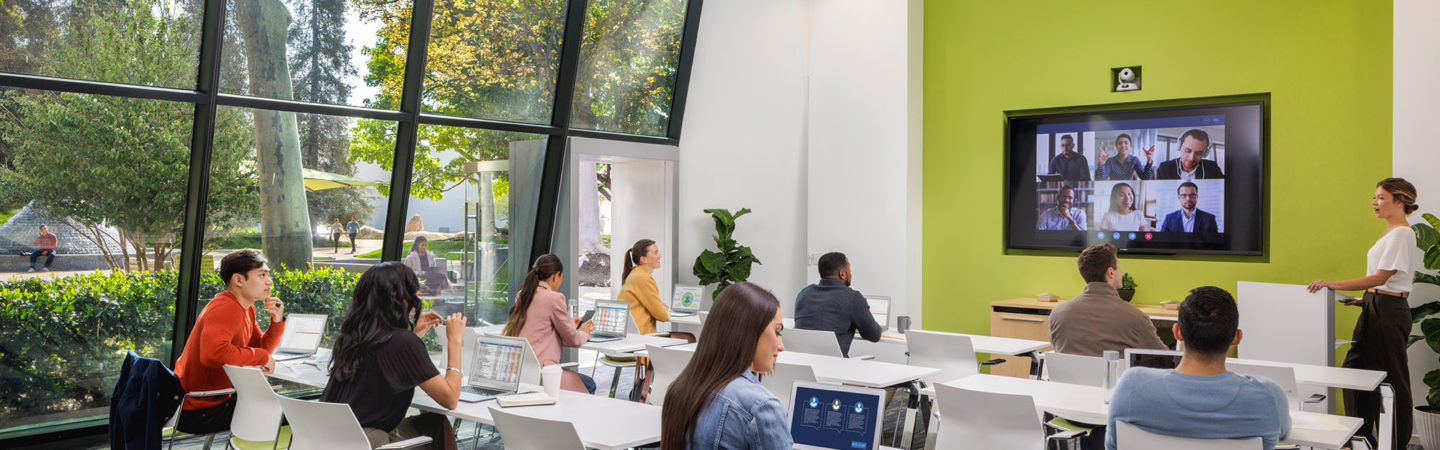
(1326, 64)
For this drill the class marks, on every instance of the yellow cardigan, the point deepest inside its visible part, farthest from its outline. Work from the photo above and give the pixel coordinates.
(643, 296)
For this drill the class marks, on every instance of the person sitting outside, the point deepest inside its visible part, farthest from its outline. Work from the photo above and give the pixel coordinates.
(1199, 398)
(427, 266)
(45, 245)
(831, 305)
(226, 332)
(1098, 319)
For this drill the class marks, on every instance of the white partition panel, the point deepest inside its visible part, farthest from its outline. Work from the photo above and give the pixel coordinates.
(1285, 322)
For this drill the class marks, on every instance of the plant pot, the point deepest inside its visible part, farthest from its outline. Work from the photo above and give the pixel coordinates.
(1427, 425)
(1127, 294)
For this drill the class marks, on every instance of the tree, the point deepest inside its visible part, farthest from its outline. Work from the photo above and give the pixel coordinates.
(120, 162)
(284, 215)
(320, 62)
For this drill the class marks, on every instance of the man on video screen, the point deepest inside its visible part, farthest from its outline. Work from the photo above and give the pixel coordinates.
(1188, 219)
(1191, 165)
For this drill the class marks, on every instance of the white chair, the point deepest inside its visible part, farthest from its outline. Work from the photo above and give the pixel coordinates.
(1130, 437)
(811, 341)
(529, 433)
(975, 419)
(467, 344)
(951, 353)
(668, 364)
(1283, 376)
(530, 365)
(1075, 369)
(781, 381)
(327, 426)
(256, 423)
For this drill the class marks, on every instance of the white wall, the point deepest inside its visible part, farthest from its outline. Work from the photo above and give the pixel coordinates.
(860, 142)
(1415, 155)
(741, 146)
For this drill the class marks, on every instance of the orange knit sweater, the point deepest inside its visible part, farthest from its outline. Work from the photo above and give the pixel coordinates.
(224, 334)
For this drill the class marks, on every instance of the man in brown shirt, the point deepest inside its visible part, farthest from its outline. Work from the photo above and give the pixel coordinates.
(1098, 319)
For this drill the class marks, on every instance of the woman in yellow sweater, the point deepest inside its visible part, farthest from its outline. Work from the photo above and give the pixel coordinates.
(639, 288)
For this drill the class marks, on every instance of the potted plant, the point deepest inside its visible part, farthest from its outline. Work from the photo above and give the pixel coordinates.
(1427, 416)
(1127, 287)
(729, 265)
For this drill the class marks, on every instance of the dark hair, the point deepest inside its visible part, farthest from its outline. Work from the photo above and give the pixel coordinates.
(1115, 196)
(1125, 137)
(743, 311)
(241, 262)
(421, 239)
(383, 299)
(632, 256)
(1208, 319)
(546, 266)
(1402, 191)
(1066, 136)
(1095, 260)
(1196, 134)
(1067, 188)
(831, 263)
(1185, 185)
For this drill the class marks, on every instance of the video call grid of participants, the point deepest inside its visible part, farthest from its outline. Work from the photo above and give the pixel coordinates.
(1125, 190)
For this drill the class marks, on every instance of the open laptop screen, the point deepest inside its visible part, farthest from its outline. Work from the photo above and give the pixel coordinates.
(303, 333)
(610, 318)
(497, 362)
(1155, 359)
(827, 416)
(880, 308)
(686, 298)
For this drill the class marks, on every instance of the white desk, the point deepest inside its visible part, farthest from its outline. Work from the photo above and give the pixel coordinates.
(984, 344)
(1336, 377)
(856, 372)
(631, 344)
(602, 422)
(1087, 404)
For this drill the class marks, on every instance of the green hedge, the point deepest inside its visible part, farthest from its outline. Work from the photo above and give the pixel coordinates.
(63, 340)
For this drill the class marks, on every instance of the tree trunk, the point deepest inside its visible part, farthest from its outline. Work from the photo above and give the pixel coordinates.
(284, 217)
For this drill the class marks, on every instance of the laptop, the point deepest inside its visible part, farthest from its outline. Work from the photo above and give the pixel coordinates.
(832, 416)
(686, 301)
(495, 368)
(880, 308)
(302, 336)
(610, 321)
(1155, 359)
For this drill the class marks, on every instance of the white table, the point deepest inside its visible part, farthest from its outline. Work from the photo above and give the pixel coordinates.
(1336, 377)
(983, 344)
(855, 372)
(1087, 404)
(631, 344)
(602, 422)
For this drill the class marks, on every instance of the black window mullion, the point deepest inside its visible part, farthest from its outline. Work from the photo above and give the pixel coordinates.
(24, 81)
(202, 139)
(552, 171)
(407, 132)
(682, 69)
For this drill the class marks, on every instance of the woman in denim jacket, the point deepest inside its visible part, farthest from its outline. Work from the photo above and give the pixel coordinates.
(717, 402)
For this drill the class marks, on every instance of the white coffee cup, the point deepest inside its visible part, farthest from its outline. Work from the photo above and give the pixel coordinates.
(550, 380)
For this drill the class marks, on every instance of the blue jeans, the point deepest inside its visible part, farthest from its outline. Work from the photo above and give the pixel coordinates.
(49, 257)
(589, 382)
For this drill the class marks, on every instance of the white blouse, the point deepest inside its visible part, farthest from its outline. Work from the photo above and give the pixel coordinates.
(1396, 251)
(1114, 221)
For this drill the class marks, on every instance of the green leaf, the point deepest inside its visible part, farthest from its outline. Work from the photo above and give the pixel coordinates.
(1434, 221)
(1432, 258)
(739, 270)
(1426, 310)
(1433, 398)
(710, 261)
(1422, 277)
(1432, 378)
(1425, 236)
(1431, 328)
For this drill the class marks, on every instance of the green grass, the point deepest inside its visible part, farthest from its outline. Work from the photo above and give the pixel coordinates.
(6, 213)
(447, 249)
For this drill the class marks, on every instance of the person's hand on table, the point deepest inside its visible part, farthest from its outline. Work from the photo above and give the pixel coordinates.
(269, 366)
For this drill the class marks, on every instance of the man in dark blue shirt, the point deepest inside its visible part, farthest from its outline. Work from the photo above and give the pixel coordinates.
(1070, 164)
(830, 305)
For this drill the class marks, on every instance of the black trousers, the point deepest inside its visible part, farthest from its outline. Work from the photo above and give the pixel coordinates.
(1380, 338)
(209, 420)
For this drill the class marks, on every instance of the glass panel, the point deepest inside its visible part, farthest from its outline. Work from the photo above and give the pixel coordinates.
(627, 65)
(296, 201)
(92, 200)
(473, 197)
(309, 50)
(144, 42)
(494, 59)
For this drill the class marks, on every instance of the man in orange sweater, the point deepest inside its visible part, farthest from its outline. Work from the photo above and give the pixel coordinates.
(227, 333)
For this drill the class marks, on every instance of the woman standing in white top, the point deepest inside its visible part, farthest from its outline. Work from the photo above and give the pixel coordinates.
(1123, 215)
(1383, 330)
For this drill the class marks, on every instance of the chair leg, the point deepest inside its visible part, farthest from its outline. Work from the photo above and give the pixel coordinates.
(615, 382)
(209, 439)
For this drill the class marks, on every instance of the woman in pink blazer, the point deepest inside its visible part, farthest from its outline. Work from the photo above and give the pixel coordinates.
(541, 315)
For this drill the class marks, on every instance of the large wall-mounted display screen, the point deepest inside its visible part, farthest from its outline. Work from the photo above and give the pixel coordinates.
(1179, 179)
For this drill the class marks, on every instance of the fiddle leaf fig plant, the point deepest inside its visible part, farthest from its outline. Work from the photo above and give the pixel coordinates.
(1429, 242)
(729, 265)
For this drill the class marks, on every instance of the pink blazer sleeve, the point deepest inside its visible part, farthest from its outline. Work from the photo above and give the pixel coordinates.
(564, 323)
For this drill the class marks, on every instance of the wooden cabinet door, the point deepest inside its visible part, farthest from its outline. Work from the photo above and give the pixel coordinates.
(1020, 326)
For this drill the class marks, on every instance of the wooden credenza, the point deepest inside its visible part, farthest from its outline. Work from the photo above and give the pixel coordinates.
(1028, 318)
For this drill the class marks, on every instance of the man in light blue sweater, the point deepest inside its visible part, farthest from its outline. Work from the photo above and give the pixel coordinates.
(1200, 399)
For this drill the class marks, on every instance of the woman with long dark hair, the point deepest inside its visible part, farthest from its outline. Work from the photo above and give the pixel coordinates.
(1123, 215)
(427, 266)
(718, 401)
(541, 315)
(1383, 330)
(378, 359)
